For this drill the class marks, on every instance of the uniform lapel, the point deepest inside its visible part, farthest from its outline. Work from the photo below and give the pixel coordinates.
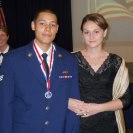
(34, 64)
(56, 67)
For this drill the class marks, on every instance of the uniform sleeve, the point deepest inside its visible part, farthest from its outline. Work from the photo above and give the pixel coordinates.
(6, 97)
(72, 122)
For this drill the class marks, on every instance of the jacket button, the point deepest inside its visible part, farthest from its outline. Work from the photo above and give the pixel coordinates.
(46, 122)
(47, 108)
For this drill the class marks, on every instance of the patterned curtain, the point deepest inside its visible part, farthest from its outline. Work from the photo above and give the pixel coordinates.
(2, 17)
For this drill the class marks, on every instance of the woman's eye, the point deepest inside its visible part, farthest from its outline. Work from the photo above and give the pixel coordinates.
(96, 31)
(86, 32)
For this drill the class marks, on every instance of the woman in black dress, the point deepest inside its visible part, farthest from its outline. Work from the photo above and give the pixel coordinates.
(103, 80)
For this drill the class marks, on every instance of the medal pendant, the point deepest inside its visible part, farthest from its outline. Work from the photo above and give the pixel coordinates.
(48, 94)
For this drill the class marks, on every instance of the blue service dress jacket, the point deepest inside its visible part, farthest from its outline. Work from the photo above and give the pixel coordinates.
(23, 106)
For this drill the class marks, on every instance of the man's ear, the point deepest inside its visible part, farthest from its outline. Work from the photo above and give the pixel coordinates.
(33, 25)
(57, 28)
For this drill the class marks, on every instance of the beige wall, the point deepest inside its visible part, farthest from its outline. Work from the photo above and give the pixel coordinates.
(79, 9)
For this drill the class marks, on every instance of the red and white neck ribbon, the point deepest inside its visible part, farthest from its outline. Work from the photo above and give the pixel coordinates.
(43, 65)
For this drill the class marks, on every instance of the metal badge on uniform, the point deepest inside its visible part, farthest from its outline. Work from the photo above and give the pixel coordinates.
(48, 94)
(29, 54)
(1, 77)
(60, 55)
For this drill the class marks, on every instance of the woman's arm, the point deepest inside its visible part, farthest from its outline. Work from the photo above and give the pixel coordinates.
(126, 98)
(94, 108)
(75, 105)
(88, 109)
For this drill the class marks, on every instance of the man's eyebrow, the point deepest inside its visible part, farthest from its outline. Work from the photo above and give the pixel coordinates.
(47, 20)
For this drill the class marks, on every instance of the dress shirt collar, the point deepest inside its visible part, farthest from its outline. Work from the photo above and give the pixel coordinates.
(6, 50)
(48, 52)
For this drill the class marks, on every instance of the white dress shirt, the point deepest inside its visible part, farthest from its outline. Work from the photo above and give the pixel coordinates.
(5, 51)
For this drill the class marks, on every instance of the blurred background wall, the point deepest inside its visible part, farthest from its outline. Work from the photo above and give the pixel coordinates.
(120, 18)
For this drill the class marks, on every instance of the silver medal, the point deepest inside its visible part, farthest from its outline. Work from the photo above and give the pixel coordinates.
(48, 94)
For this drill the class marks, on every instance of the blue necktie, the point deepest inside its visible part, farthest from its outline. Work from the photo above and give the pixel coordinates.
(44, 55)
(1, 54)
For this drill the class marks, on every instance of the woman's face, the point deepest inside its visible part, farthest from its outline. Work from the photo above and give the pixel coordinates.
(93, 35)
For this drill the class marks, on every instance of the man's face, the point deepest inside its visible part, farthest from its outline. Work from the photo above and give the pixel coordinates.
(45, 28)
(3, 38)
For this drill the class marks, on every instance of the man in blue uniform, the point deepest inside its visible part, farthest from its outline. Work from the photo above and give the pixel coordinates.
(36, 82)
(4, 47)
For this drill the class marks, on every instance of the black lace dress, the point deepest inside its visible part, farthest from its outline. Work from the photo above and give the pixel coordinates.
(96, 87)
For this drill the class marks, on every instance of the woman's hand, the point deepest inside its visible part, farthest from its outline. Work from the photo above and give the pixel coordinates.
(89, 109)
(75, 105)
(83, 109)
